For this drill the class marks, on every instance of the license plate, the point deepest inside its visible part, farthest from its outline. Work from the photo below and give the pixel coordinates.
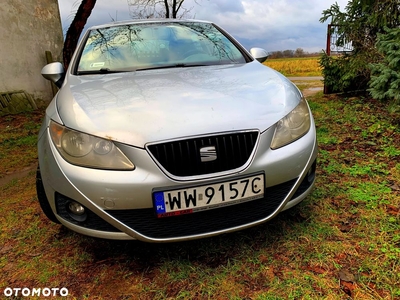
(193, 199)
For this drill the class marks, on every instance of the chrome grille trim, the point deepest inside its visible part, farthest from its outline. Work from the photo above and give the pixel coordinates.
(180, 159)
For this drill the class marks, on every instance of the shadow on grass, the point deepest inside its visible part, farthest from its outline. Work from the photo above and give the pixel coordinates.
(209, 252)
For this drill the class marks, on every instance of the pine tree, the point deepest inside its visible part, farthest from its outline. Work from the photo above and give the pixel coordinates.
(361, 23)
(385, 78)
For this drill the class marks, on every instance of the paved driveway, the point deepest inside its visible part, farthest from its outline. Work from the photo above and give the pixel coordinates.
(306, 78)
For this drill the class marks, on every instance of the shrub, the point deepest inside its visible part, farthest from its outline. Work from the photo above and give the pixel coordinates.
(344, 73)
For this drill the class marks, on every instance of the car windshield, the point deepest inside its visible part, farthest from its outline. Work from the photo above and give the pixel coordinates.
(156, 45)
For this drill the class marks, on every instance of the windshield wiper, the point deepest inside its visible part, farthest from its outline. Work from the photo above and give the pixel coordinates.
(101, 71)
(181, 65)
(110, 71)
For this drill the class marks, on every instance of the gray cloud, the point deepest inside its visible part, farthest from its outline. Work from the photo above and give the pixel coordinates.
(270, 24)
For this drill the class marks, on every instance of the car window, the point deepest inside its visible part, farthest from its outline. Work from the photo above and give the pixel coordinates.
(136, 46)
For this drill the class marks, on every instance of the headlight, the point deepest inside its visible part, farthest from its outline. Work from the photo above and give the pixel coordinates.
(293, 126)
(87, 150)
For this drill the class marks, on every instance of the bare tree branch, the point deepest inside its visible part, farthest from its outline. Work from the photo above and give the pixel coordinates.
(144, 9)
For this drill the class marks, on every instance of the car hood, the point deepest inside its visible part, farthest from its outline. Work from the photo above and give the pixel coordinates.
(153, 105)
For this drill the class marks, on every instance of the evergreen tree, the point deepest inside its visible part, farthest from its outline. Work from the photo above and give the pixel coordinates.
(385, 79)
(361, 23)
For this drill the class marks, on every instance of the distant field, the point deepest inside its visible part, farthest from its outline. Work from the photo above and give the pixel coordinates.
(304, 66)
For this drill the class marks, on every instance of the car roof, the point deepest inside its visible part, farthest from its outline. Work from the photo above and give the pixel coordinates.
(144, 21)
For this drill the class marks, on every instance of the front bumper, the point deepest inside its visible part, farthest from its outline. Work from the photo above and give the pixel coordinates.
(120, 206)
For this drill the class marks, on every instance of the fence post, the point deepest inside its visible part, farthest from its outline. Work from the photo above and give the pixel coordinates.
(328, 52)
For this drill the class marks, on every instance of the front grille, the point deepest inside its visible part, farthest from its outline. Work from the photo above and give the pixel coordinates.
(182, 158)
(145, 221)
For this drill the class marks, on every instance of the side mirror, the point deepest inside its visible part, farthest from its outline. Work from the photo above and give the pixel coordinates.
(260, 54)
(54, 72)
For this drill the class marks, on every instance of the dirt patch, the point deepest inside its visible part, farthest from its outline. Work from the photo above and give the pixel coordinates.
(312, 91)
(17, 174)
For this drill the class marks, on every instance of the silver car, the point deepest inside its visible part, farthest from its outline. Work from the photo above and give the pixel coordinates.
(170, 130)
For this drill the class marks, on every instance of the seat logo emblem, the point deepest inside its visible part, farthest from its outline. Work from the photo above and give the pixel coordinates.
(208, 153)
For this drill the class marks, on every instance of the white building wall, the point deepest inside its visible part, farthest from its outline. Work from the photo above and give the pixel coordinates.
(27, 30)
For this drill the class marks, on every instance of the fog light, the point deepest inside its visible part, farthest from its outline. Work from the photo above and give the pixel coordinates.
(76, 211)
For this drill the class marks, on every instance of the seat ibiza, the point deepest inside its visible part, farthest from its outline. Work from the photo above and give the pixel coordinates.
(170, 130)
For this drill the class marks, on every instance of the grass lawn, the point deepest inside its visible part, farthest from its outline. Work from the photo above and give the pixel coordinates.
(342, 242)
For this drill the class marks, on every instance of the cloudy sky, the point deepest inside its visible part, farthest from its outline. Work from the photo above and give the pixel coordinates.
(269, 24)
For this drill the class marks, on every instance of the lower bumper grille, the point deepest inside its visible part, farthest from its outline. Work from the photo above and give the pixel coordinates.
(145, 222)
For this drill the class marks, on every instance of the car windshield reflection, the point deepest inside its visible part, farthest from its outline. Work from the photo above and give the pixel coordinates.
(147, 46)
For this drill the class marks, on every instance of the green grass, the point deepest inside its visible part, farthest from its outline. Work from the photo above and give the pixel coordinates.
(18, 138)
(350, 223)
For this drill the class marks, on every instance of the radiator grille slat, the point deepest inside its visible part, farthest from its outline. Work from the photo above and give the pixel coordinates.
(182, 158)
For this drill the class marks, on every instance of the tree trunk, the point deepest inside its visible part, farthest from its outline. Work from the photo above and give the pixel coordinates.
(75, 29)
(166, 9)
(174, 11)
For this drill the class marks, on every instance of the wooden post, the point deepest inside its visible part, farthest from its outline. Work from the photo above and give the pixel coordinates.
(328, 40)
(328, 52)
(49, 60)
